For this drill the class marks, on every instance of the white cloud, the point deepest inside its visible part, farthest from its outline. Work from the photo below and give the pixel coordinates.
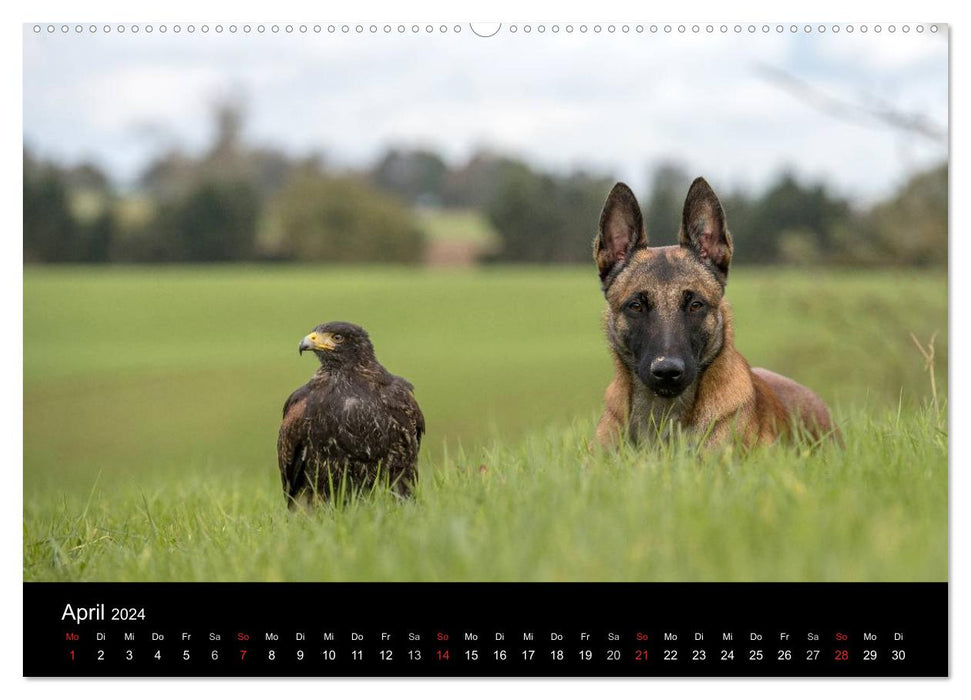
(882, 52)
(122, 96)
(617, 102)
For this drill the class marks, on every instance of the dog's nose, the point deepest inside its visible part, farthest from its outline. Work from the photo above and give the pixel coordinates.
(667, 369)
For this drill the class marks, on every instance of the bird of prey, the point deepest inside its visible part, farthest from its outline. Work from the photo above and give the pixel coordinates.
(351, 424)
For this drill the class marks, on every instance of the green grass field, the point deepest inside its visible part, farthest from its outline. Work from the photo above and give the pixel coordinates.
(152, 398)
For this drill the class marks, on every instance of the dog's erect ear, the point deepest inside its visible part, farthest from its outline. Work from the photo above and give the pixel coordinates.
(621, 231)
(703, 228)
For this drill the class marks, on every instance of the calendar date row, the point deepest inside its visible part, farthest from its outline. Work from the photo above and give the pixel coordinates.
(661, 654)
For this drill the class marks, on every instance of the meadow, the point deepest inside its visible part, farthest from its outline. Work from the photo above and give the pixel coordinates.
(152, 398)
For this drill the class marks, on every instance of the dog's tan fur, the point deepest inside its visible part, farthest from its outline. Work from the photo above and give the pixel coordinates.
(727, 399)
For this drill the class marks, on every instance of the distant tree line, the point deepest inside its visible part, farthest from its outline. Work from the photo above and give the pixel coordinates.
(56, 230)
(543, 217)
(232, 203)
(240, 203)
(792, 222)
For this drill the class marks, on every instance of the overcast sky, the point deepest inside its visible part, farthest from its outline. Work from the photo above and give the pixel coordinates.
(615, 103)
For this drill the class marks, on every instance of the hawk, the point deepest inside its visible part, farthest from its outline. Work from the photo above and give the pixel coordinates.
(353, 422)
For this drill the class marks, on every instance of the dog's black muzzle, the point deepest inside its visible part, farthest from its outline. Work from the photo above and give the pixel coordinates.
(666, 376)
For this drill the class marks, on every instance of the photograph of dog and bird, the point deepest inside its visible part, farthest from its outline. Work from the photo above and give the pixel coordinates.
(195, 209)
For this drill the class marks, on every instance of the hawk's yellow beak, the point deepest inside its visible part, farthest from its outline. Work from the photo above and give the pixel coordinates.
(317, 341)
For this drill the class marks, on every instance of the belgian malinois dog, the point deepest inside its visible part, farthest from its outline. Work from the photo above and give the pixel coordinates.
(669, 328)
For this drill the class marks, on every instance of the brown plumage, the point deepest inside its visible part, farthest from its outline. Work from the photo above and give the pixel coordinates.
(352, 423)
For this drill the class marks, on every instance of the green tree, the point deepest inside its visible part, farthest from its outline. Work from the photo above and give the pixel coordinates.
(341, 219)
(214, 222)
(52, 231)
(788, 205)
(545, 218)
(909, 228)
(664, 204)
(415, 176)
(476, 183)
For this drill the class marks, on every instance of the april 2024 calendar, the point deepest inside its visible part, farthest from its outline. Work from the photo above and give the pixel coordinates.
(516, 630)
(514, 349)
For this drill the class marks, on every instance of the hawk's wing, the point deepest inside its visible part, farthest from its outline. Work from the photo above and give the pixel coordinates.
(292, 443)
(405, 410)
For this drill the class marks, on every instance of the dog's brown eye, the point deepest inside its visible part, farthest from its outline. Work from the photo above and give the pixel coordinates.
(696, 305)
(338, 338)
(635, 306)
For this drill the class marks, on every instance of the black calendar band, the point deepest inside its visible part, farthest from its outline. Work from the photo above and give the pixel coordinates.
(495, 629)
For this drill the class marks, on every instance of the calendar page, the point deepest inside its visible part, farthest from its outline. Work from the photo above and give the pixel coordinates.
(513, 349)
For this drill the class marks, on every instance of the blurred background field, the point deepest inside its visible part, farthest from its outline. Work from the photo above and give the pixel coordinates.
(444, 194)
(130, 369)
